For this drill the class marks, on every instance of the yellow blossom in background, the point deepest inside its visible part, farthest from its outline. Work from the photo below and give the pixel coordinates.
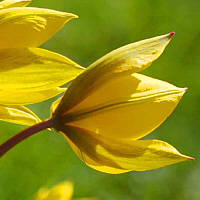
(29, 74)
(108, 107)
(61, 191)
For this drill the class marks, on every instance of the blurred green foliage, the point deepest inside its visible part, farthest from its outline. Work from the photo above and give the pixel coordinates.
(104, 25)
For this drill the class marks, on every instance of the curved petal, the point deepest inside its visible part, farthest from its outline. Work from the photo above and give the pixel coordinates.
(54, 105)
(29, 27)
(92, 163)
(34, 69)
(128, 107)
(14, 3)
(140, 155)
(24, 97)
(123, 61)
(18, 115)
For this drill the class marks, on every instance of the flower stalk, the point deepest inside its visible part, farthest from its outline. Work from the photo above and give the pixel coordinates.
(26, 133)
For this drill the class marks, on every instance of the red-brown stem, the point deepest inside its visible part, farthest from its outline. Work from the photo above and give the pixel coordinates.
(19, 137)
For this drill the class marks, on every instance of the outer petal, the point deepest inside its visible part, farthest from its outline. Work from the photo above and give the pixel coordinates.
(125, 60)
(34, 69)
(14, 3)
(61, 191)
(140, 155)
(92, 163)
(24, 97)
(128, 107)
(29, 27)
(18, 114)
(54, 105)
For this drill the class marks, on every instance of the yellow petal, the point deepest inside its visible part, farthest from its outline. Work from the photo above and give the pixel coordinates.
(92, 163)
(123, 61)
(54, 105)
(29, 27)
(128, 107)
(139, 155)
(13, 3)
(18, 115)
(24, 97)
(34, 69)
(61, 191)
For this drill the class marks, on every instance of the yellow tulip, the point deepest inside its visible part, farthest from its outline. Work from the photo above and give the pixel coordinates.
(30, 74)
(108, 107)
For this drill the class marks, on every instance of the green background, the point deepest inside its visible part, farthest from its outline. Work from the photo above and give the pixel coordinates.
(104, 25)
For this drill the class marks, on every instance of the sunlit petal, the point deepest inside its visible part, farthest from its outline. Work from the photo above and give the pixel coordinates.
(18, 115)
(34, 69)
(140, 155)
(29, 27)
(26, 97)
(14, 3)
(123, 61)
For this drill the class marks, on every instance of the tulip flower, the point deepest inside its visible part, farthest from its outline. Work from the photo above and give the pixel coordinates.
(61, 191)
(110, 106)
(30, 74)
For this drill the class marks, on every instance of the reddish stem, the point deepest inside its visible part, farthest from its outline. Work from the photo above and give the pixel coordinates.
(19, 137)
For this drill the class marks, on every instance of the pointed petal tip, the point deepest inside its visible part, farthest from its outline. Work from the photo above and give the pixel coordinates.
(70, 16)
(171, 34)
(190, 158)
(74, 16)
(183, 90)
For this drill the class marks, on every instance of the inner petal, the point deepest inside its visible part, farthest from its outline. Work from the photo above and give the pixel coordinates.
(129, 107)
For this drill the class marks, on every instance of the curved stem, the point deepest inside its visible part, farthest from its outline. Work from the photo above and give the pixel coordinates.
(22, 135)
